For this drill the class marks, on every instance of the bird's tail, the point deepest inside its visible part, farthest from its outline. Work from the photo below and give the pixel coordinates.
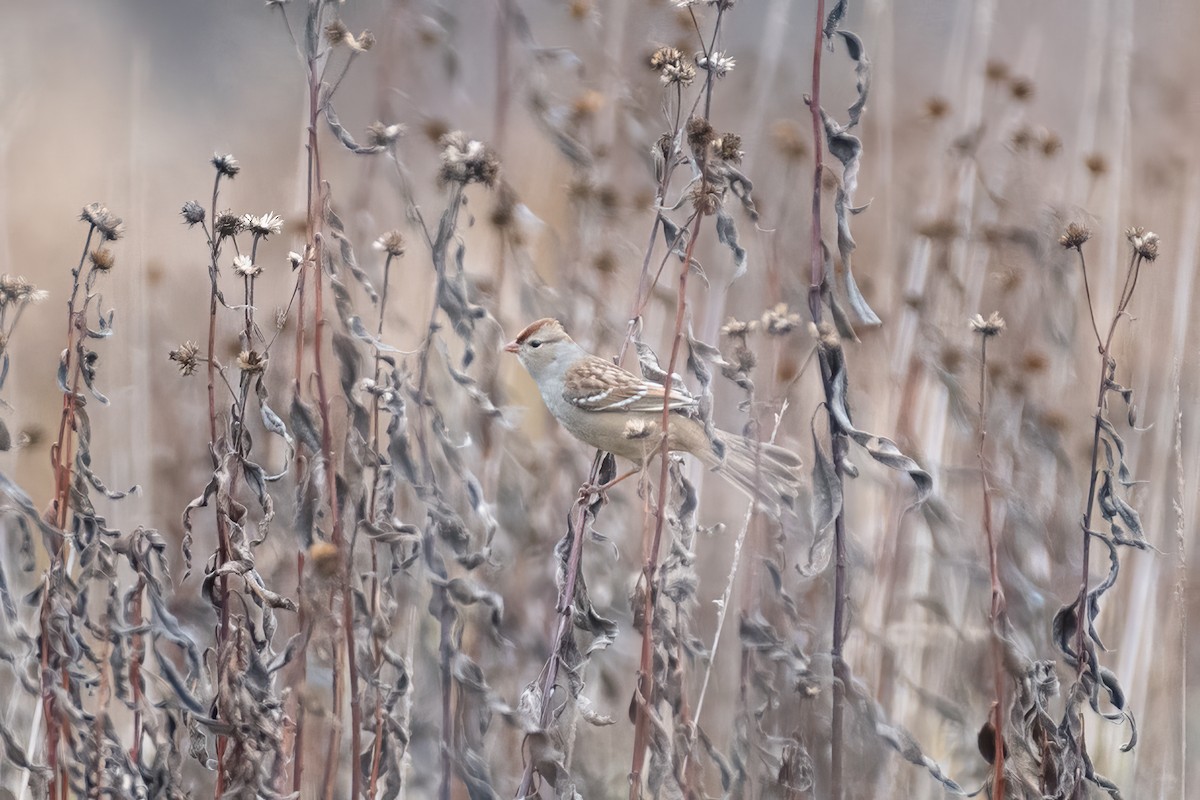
(766, 472)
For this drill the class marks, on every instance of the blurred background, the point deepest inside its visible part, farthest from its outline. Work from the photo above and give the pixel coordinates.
(989, 127)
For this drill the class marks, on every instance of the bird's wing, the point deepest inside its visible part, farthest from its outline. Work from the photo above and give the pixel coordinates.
(598, 385)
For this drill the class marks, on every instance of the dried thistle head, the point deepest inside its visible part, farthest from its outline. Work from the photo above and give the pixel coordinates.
(996, 70)
(1051, 144)
(243, 267)
(226, 224)
(226, 165)
(192, 213)
(251, 361)
(102, 258)
(467, 161)
(664, 56)
(391, 243)
(992, 326)
(700, 134)
(1021, 89)
(263, 226)
(1144, 243)
(187, 357)
(380, 135)
(737, 329)
(789, 140)
(336, 33)
(1096, 164)
(729, 148)
(705, 198)
(1075, 236)
(778, 321)
(936, 107)
(716, 62)
(99, 217)
(18, 290)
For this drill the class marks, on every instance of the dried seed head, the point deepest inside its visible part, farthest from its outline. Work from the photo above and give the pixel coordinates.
(735, 328)
(380, 135)
(264, 225)
(936, 107)
(996, 71)
(251, 361)
(467, 161)
(192, 213)
(324, 558)
(1075, 236)
(17, 290)
(1022, 137)
(337, 33)
(1051, 144)
(243, 267)
(99, 217)
(778, 321)
(717, 63)
(295, 259)
(699, 134)
(364, 42)
(992, 326)
(681, 73)
(940, 229)
(789, 140)
(391, 243)
(226, 165)
(226, 223)
(1145, 243)
(606, 262)
(664, 56)
(187, 357)
(586, 105)
(580, 9)
(1096, 164)
(729, 148)
(102, 258)
(742, 361)
(705, 198)
(826, 335)
(1021, 89)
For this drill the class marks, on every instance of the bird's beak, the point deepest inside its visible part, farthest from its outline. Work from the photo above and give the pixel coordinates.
(512, 347)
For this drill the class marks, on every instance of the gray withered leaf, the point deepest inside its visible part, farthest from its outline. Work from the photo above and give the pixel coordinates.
(826, 505)
(344, 136)
(338, 231)
(880, 448)
(477, 395)
(834, 18)
(896, 736)
(650, 368)
(727, 235)
(862, 73)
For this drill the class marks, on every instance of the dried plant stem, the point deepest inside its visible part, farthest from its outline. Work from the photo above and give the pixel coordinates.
(838, 439)
(997, 611)
(1107, 368)
(645, 687)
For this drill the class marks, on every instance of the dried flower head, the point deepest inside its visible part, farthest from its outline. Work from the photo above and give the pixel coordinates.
(364, 42)
(380, 135)
(736, 329)
(664, 56)
(681, 73)
(192, 213)
(1075, 236)
(99, 217)
(337, 33)
(391, 243)
(729, 148)
(1021, 89)
(699, 134)
(992, 326)
(325, 559)
(264, 225)
(187, 357)
(295, 259)
(586, 104)
(717, 63)
(1051, 144)
(936, 107)
(226, 223)
(996, 70)
(226, 165)
(243, 267)
(251, 361)
(467, 161)
(102, 258)
(1096, 164)
(18, 290)
(705, 198)
(778, 321)
(1145, 243)
(789, 140)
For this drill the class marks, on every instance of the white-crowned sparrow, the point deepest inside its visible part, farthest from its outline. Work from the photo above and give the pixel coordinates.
(614, 410)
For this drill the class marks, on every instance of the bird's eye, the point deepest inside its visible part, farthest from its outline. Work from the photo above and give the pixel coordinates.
(535, 343)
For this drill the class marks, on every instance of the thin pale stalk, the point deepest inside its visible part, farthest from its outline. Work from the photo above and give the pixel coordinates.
(998, 603)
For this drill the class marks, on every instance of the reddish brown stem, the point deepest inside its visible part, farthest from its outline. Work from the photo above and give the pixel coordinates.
(645, 689)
